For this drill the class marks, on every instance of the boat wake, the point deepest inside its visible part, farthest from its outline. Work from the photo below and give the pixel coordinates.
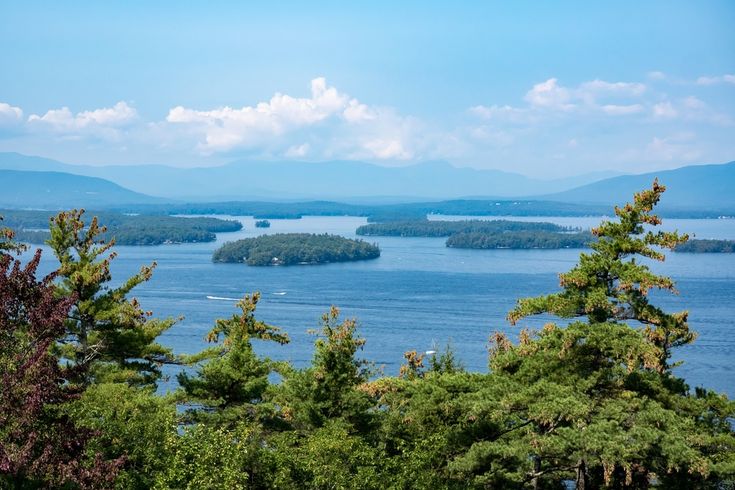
(222, 298)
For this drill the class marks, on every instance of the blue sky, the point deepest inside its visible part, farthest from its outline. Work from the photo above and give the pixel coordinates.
(540, 88)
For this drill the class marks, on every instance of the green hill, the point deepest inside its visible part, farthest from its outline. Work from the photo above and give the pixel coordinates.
(56, 190)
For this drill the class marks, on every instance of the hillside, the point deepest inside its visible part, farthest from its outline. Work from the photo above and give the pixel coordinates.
(342, 180)
(55, 190)
(694, 187)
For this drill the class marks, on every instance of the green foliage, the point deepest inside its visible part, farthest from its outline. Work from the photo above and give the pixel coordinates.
(610, 284)
(231, 380)
(594, 403)
(7, 242)
(128, 230)
(105, 331)
(520, 240)
(263, 223)
(437, 228)
(707, 246)
(329, 457)
(330, 388)
(133, 424)
(209, 457)
(295, 248)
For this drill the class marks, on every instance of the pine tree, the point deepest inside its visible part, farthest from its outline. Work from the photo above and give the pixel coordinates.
(596, 401)
(231, 380)
(612, 285)
(105, 330)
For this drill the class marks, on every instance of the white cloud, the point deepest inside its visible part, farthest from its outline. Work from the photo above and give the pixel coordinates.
(621, 110)
(388, 149)
(10, 114)
(297, 151)
(549, 95)
(226, 128)
(664, 110)
(104, 122)
(356, 112)
(716, 80)
(678, 148)
(601, 87)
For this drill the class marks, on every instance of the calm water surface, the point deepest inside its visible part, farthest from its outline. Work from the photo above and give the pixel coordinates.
(419, 294)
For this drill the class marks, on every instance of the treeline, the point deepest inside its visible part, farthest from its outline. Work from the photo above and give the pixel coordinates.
(590, 403)
(707, 246)
(520, 240)
(31, 227)
(374, 212)
(401, 211)
(295, 248)
(437, 228)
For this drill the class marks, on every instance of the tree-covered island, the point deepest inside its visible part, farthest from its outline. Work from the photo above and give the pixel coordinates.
(707, 246)
(295, 248)
(262, 223)
(437, 228)
(32, 227)
(517, 235)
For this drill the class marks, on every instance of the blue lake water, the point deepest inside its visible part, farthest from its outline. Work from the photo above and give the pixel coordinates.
(419, 294)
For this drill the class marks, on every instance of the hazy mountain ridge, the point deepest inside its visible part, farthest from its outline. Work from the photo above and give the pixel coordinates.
(692, 187)
(343, 180)
(52, 184)
(55, 190)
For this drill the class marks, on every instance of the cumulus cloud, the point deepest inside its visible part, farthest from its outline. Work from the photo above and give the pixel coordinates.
(10, 115)
(595, 95)
(104, 122)
(716, 80)
(226, 128)
(549, 95)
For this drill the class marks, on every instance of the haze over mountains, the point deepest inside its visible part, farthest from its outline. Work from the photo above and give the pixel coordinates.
(337, 180)
(44, 183)
(51, 190)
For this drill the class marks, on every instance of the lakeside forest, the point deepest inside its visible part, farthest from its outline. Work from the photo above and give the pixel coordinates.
(592, 403)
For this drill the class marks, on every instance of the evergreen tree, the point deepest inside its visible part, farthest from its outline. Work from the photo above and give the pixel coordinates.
(105, 331)
(596, 401)
(231, 380)
(7, 245)
(330, 388)
(611, 285)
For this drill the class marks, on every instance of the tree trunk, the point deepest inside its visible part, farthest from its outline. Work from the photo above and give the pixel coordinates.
(581, 482)
(536, 472)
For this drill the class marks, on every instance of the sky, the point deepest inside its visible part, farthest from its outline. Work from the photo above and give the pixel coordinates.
(546, 89)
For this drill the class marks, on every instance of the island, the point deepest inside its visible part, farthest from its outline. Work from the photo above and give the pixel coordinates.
(32, 227)
(295, 248)
(520, 240)
(707, 246)
(262, 223)
(437, 228)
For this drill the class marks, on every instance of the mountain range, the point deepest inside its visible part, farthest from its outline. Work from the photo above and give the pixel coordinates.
(43, 183)
(335, 180)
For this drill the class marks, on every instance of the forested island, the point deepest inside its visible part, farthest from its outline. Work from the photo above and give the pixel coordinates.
(520, 240)
(707, 246)
(437, 228)
(263, 223)
(295, 248)
(32, 227)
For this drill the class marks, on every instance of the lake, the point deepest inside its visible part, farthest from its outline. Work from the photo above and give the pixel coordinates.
(419, 294)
